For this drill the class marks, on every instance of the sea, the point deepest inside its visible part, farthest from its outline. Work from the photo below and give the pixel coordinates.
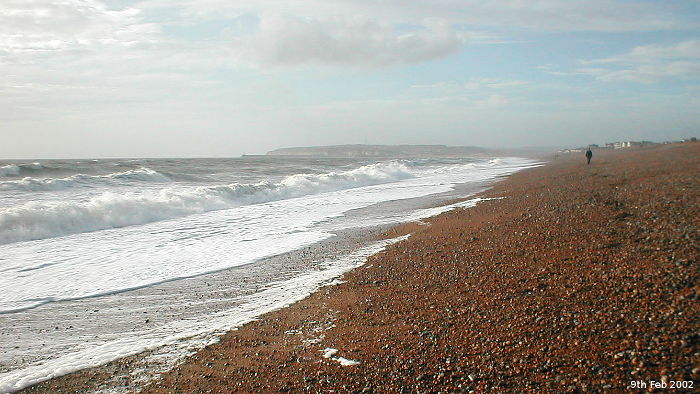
(156, 258)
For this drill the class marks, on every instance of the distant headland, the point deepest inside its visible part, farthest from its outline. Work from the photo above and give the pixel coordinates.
(413, 151)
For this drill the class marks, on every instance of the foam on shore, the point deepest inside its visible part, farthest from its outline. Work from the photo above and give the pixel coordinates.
(188, 336)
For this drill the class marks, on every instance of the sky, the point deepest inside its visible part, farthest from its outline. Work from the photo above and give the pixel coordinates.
(211, 78)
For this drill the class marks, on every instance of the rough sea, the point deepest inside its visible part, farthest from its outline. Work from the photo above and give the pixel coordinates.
(101, 259)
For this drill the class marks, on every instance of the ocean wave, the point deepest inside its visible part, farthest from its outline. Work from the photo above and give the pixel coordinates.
(46, 219)
(9, 170)
(17, 169)
(35, 184)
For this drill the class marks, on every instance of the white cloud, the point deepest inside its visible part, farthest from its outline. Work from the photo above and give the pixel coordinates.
(436, 85)
(341, 41)
(543, 15)
(492, 83)
(363, 33)
(649, 63)
(44, 25)
(550, 69)
(649, 53)
(494, 100)
(474, 84)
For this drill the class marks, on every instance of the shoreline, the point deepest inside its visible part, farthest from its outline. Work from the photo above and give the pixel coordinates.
(457, 307)
(118, 374)
(131, 371)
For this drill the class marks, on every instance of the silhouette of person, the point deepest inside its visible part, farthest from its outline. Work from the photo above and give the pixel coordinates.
(589, 154)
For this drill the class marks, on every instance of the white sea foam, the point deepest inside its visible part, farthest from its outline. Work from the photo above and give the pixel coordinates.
(44, 219)
(184, 336)
(330, 354)
(56, 269)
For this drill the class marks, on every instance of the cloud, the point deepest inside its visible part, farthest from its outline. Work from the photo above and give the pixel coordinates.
(366, 33)
(647, 73)
(494, 100)
(649, 63)
(550, 15)
(540, 15)
(549, 69)
(492, 83)
(436, 85)
(91, 37)
(648, 53)
(474, 84)
(355, 33)
(43, 25)
(345, 41)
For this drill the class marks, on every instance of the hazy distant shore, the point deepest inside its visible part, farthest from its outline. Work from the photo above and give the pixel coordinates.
(405, 151)
(574, 277)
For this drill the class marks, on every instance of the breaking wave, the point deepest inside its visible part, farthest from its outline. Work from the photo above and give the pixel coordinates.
(45, 219)
(9, 170)
(17, 169)
(34, 184)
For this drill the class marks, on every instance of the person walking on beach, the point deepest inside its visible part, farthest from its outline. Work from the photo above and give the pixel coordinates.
(589, 154)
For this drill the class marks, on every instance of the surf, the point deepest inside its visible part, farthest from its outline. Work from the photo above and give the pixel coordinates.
(36, 220)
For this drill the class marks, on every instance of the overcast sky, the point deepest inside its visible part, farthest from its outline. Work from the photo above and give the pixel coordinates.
(170, 78)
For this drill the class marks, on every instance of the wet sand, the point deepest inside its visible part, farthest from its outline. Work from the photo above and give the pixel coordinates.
(574, 277)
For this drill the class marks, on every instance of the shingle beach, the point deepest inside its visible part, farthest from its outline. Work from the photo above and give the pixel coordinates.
(568, 277)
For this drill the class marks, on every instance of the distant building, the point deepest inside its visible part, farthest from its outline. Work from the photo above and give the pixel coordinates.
(628, 144)
(609, 145)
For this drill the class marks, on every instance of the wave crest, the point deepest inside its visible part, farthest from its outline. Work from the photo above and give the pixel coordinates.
(16, 169)
(34, 184)
(39, 220)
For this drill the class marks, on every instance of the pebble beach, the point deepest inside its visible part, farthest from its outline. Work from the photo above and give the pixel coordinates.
(567, 277)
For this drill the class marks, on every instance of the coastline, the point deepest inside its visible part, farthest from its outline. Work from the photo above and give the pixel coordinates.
(563, 283)
(166, 318)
